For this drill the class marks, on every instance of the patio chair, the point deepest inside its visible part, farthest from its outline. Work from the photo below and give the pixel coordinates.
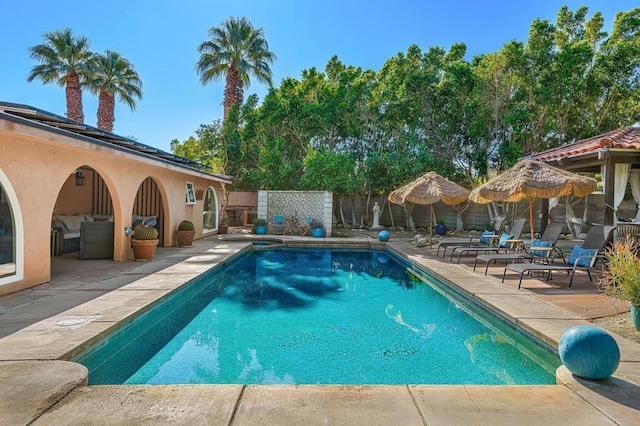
(305, 227)
(485, 240)
(277, 225)
(506, 242)
(581, 257)
(544, 247)
(579, 227)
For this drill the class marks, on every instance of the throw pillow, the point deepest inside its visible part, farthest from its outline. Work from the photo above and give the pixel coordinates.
(583, 257)
(485, 237)
(540, 243)
(151, 221)
(503, 240)
(60, 225)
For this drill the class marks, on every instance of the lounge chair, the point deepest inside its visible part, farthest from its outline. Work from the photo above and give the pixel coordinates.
(485, 239)
(581, 257)
(505, 243)
(544, 247)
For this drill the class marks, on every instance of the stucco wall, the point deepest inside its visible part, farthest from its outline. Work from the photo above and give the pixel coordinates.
(37, 163)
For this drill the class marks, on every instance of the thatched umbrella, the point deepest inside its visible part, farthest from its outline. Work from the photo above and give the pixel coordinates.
(429, 189)
(532, 179)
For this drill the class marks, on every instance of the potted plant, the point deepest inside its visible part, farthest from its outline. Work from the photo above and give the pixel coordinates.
(260, 226)
(621, 277)
(441, 227)
(317, 231)
(185, 233)
(144, 241)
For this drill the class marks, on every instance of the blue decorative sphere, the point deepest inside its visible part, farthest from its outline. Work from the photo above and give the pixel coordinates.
(589, 352)
(384, 235)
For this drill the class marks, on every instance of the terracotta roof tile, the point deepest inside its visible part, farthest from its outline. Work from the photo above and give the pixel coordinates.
(625, 138)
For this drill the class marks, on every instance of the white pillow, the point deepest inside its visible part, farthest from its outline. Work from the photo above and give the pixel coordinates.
(72, 222)
(103, 218)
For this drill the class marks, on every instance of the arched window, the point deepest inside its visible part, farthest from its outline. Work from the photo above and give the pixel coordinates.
(210, 211)
(11, 257)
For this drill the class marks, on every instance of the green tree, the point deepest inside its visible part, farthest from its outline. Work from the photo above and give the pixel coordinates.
(327, 170)
(207, 147)
(234, 51)
(616, 77)
(64, 60)
(113, 76)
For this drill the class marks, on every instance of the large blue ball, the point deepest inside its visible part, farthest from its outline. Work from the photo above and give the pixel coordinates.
(384, 235)
(589, 352)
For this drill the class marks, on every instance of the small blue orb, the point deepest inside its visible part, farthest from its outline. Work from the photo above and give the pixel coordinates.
(384, 235)
(589, 352)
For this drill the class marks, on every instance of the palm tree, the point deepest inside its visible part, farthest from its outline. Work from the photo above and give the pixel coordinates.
(234, 50)
(111, 76)
(63, 60)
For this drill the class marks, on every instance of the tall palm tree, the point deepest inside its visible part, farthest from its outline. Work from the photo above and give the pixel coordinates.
(63, 60)
(111, 76)
(234, 50)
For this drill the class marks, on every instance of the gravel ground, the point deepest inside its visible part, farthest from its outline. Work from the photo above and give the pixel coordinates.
(620, 324)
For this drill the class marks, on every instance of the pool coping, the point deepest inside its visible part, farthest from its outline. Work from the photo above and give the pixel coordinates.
(48, 343)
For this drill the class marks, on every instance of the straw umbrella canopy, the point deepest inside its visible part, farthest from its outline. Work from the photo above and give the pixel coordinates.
(428, 189)
(530, 179)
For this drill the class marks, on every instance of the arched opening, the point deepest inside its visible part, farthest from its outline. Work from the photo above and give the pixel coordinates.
(210, 211)
(11, 234)
(148, 207)
(82, 219)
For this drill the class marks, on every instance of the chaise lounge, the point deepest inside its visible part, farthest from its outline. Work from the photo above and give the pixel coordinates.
(505, 243)
(484, 241)
(545, 247)
(581, 257)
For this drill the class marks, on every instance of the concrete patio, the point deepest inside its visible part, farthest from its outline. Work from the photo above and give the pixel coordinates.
(42, 327)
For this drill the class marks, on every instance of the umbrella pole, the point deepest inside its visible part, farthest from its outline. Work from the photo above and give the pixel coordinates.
(430, 226)
(531, 218)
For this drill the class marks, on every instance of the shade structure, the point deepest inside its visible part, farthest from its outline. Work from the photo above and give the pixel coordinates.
(428, 189)
(532, 179)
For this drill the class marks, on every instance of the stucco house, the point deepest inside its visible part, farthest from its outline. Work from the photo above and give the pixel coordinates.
(56, 173)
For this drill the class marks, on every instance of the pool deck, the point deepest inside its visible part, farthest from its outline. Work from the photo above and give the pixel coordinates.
(43, 326)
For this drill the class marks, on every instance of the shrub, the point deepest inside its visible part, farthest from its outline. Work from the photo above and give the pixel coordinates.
(621, 278)
(260, 222)
(315, 223)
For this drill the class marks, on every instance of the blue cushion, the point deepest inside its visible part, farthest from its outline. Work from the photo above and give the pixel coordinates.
(577, 252)
(503, 238)
(539, 243)
(485, 237)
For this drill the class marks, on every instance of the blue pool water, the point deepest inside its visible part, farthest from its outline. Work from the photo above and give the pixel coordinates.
(318, 317)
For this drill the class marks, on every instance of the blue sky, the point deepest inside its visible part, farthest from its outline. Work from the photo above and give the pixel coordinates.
(160, 38)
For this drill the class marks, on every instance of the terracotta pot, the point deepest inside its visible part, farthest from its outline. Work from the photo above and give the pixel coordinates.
(143, 250)
(185, 238)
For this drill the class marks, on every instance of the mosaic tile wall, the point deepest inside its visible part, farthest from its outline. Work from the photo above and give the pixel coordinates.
(299, 204)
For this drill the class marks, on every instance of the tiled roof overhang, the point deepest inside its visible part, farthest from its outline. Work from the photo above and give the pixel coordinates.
(58, 124)
(622, 142)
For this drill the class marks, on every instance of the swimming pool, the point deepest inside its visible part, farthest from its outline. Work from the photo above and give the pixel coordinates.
(319, 317)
